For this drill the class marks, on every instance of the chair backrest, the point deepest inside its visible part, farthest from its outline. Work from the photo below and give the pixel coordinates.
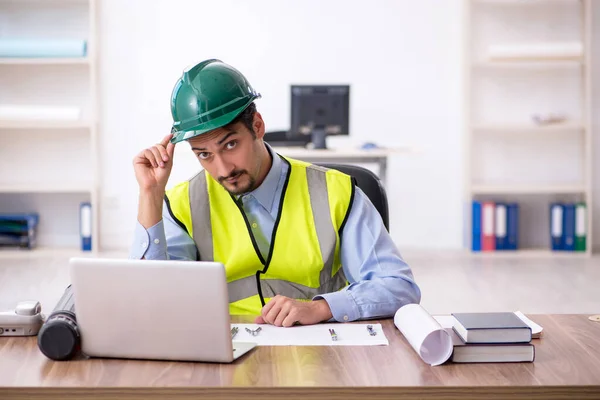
(370, 184)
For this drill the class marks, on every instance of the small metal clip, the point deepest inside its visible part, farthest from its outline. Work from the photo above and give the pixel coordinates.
(371, 330)
(334, 336)
(254, 332)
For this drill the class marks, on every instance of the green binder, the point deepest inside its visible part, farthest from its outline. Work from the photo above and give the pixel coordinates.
(580, 226)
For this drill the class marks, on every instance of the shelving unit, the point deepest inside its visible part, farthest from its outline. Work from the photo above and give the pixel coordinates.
(507, 129)
(50, 166)
(45, 61)
(510, 158)
(526, 189)
(537, 65)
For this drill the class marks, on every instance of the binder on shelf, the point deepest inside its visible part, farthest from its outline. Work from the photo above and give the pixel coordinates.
(569, 227)
(85, 226)
(580, 226)
(476, 224)
(500, 227)
(488, 234)
(18, 230)
(512, 226)
(556, 226)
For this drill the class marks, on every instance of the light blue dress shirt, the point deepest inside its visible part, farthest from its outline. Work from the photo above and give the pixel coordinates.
(380, 281)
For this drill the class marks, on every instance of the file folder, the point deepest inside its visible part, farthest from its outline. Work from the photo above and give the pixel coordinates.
(476, 224)
(85, 226)
(580, 227)
(556, 226)
(512, 226)
(569, 227)
(500, 227)
(488, 241)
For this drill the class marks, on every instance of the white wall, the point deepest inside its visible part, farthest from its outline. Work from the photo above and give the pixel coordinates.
(402, 59)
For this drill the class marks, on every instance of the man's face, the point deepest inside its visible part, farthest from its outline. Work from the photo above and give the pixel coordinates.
(232, 155)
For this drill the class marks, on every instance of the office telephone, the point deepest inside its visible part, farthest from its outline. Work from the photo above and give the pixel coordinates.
(25, 320)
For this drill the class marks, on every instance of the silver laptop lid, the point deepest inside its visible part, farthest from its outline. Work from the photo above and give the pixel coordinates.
(169, 310)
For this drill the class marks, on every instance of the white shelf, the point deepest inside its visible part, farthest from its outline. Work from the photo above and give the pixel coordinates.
(539, 64)
(21, 2)
(32, 188)
(43, 252)
(44, 124)
(527, 189)
(528, 253)
(542, 129)
(522, 2)
(45, 61)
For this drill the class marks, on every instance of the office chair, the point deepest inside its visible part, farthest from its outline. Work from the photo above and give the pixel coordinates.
(370, 184)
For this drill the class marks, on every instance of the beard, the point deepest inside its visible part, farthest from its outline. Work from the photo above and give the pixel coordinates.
(240, 185)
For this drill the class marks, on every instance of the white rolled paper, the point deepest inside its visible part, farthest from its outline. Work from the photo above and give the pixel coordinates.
(426, 336)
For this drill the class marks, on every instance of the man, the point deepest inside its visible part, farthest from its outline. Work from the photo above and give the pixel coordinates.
(300, 244)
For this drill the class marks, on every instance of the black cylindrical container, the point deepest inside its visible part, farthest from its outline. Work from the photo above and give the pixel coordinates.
(59, 337)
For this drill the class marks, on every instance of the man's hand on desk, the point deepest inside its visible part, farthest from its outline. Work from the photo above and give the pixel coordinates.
(283, 311)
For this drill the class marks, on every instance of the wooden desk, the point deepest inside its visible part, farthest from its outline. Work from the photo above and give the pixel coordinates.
(567, 365)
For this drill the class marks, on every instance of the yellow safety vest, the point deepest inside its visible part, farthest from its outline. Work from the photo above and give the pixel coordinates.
(304, 256)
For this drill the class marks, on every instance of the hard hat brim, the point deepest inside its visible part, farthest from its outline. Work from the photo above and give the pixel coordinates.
(215, 123)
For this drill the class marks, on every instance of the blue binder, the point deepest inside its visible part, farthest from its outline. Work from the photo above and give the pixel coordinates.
(476, 226)
(85, 226)
(569, 227)
(557, 211)
(500, 227)
(512, 226)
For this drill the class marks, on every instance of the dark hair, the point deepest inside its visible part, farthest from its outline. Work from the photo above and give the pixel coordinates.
(246, 117)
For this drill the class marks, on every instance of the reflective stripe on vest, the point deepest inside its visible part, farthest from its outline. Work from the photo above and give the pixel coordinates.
(329, 212)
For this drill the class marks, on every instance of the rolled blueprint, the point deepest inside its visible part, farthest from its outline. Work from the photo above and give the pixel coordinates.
(426, 336)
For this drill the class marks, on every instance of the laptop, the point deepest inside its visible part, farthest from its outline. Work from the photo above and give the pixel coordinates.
(156, 310)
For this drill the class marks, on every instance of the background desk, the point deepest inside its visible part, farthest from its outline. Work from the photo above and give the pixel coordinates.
(567, 365)
(344, 156)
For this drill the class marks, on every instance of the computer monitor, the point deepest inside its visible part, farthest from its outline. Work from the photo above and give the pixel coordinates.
(318, 111)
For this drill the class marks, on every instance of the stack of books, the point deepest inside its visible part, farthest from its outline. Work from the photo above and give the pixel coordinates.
(491, 338)
(18, 230)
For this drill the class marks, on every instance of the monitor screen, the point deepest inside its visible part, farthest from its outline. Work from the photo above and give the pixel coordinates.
(324, 107)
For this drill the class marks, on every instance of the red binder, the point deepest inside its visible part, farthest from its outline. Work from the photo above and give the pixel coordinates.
(488, 235)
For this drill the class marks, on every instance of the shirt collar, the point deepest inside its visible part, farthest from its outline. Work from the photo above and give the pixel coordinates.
(265, 193)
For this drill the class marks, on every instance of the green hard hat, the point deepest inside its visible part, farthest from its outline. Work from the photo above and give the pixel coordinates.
(208, 95)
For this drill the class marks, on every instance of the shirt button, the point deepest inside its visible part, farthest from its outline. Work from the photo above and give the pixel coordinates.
(255, 225)
(144, 244)
(156, 241)
(345, 318)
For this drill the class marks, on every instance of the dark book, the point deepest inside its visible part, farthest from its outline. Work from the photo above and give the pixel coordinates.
(490, 353)
(501, 327)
